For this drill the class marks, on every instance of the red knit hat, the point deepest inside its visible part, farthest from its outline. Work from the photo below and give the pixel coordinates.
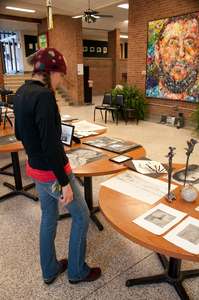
(49, 59)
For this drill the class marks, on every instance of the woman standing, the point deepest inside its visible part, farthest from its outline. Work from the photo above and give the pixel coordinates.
(38, 126)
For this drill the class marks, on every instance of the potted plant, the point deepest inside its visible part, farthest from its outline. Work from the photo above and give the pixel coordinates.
(195, 119)
(126, 90)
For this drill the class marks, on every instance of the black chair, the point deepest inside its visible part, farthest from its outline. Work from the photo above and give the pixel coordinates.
(10, 103)
(107, 100)
(133, 107)
(118, 107)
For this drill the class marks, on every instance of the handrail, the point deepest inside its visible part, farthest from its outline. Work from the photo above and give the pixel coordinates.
(68, 80)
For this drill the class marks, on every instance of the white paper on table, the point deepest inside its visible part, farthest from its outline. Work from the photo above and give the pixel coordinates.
(81, 134)
(86, 126)
(139, 186)
(66, 118)
(159, 219)
(185, 235)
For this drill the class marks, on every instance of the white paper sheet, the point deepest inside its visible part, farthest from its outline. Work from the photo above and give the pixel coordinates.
(186, 235)
(139, 186)
(159, 219)
(86, 126)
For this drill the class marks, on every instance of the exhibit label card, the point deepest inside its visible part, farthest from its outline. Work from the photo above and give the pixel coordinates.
(186, 235)
(159, 219)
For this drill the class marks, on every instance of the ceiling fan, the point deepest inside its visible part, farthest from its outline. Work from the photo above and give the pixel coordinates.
(91, 15)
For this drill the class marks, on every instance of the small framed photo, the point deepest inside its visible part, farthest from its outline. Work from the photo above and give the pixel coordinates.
(120, 158)
(92, 49)
(104, 49)
(85, 49)
(67, 134)
(99, 49)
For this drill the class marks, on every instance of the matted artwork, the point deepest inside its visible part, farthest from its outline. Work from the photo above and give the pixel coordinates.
(159, 219)
(173, 58)
(186, 235)
(82, 156)
(113, 145)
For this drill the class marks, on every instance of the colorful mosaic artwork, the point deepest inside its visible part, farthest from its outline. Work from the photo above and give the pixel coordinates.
(173, 58)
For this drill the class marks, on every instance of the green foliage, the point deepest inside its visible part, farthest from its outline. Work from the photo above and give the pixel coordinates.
(129, 103)
(195, 119)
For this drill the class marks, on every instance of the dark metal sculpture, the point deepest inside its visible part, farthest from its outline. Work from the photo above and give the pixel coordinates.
(171, 195)
(191, 145)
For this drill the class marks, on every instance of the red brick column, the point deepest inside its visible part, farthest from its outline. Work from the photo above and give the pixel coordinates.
(114, 53)
(67, 38)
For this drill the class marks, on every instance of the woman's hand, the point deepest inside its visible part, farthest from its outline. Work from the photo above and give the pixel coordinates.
(67, 195)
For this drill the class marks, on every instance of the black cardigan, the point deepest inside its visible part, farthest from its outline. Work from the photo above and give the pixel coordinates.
(38, 126)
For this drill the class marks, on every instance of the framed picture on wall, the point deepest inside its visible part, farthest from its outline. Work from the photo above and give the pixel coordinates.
(92, 49)
(42, 40)
(104, 49)
(99, 49)
(85, 49)
(173, 58)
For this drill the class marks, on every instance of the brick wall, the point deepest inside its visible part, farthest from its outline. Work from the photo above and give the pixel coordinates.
(67, 38)
(140, 13)
(100, 69)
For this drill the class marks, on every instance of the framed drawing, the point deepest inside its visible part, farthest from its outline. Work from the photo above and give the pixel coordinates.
(42, 40)
(173, 58)
(92, 49)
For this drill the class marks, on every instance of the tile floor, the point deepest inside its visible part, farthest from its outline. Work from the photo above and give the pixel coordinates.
(119, 258)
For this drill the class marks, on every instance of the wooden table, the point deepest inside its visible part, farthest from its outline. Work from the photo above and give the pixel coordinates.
(99, 168)
(18, 188)
(119, 210)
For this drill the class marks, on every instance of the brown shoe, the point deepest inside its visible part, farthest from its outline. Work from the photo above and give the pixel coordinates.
(64, 263)
(93, 275)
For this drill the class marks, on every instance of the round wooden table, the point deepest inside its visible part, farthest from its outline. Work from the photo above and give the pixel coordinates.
(18, 188)
(120, 210)
(99, 168)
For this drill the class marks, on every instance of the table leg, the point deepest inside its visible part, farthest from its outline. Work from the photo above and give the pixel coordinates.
(172, 275)
(18, 189)
(4, 172)
(88, 194)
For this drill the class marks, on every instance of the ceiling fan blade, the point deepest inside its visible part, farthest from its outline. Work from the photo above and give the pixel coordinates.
(105, 16)
(76, 17)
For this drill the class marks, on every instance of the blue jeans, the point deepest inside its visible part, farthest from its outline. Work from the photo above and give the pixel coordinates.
(51, 267)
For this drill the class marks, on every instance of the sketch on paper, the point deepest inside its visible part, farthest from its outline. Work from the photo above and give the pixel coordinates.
(147, 167)
(186, 235)
(8, 139)
(82, 156)
(138, 186)
(190, 233)
(159, 219)
(192, 176)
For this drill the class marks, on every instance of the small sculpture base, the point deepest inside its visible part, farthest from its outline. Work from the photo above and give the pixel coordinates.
(171, 196)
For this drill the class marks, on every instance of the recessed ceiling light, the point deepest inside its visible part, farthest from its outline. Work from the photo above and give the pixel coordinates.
(20, 9)
(126, 6)
(124, 36)
(126, 21)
